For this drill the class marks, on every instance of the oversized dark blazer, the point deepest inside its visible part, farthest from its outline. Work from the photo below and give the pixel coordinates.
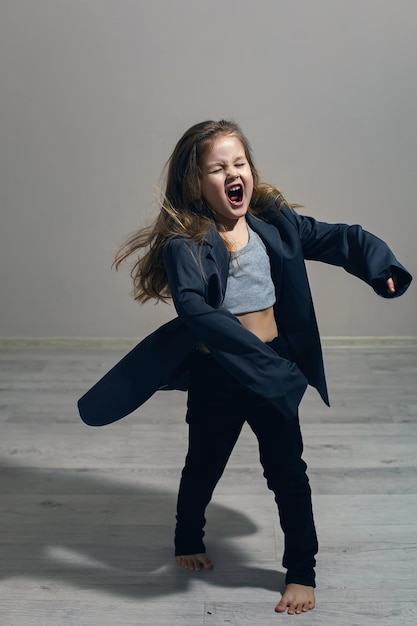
(197, 276)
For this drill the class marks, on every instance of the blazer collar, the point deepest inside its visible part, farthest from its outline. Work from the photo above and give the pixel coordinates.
(217, 249)
(269, 235)
(272, 239)
(268, 232)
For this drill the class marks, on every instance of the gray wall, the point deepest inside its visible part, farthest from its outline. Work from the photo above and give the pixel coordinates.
(95, 93)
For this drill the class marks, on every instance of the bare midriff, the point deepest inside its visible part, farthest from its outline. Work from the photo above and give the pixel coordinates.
(260, 323)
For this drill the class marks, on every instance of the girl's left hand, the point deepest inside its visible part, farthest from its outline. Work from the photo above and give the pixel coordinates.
(390, 285)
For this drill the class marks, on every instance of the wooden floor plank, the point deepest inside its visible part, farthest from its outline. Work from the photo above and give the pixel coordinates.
(87, 515)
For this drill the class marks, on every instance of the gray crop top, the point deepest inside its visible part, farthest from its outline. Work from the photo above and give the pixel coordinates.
(249, 284)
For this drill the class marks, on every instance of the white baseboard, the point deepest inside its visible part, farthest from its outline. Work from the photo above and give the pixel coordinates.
(121, 343)
(369, 342)
(69, 342)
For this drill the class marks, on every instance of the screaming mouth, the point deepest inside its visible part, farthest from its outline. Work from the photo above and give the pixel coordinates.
(235, 193)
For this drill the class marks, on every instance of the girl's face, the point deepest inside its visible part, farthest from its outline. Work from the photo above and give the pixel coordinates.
(226, 179)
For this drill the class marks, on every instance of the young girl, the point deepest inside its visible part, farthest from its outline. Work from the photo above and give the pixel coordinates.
(231, 253)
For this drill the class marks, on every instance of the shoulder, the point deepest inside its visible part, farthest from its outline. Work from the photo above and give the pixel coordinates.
(183, 250)
(279, 213)
(180, 252)
(182, 245)
(182, 242)
(287, 216)
(282, 218)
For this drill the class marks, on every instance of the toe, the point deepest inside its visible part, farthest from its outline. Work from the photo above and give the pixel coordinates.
(206, 563)
(194, 565)
(194, 562)
(292, 608)
(281, 606)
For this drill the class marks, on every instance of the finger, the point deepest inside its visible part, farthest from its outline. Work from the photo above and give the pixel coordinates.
(390, 285)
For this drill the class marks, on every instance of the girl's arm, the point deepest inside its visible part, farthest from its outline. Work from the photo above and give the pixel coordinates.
(359, 252)
(240, 352)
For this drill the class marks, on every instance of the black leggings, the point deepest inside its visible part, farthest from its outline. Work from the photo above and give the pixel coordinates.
(218, 406)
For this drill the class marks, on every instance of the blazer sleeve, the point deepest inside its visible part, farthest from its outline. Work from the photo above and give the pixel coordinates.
(359, 252)
(252, 362)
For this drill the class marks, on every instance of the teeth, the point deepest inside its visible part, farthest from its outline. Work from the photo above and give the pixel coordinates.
(235, 188)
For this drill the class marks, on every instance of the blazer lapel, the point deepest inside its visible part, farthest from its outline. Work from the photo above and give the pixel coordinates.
(217, 252)
(272, 239)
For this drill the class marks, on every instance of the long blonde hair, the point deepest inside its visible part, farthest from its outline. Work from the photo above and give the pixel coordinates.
(183, 210)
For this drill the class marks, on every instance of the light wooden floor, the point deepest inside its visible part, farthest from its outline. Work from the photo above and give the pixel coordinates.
(87, 514)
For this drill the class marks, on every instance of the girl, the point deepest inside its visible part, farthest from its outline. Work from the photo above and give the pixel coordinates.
(231, 252)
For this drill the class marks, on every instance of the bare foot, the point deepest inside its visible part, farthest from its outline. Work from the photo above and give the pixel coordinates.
(297, 599)
(194, 562)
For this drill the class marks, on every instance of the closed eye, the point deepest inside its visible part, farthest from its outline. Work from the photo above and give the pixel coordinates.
(219, 169)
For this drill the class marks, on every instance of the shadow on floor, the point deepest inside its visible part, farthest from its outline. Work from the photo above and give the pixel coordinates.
(87, 529)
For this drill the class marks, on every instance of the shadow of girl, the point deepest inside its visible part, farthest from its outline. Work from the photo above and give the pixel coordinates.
(88, 529)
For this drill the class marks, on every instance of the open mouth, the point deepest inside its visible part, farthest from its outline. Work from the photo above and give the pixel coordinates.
(235, 194)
